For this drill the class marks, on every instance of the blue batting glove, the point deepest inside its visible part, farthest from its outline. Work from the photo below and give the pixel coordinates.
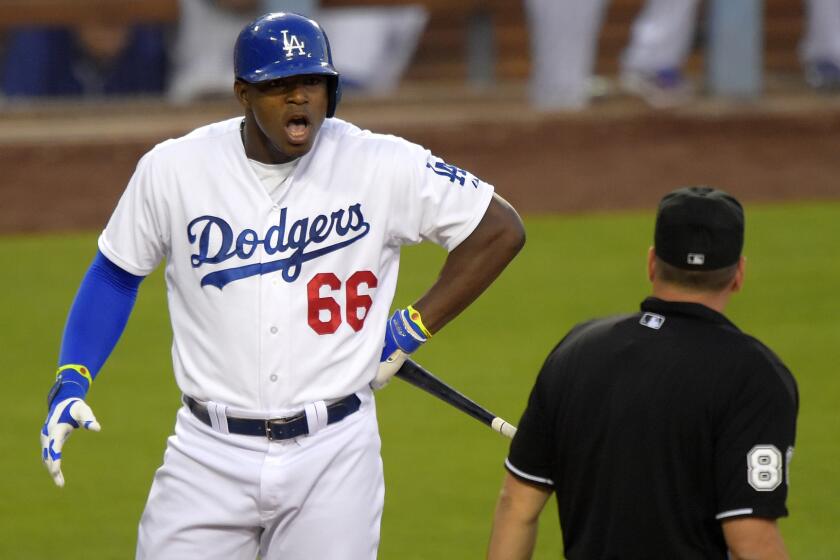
(67, 411)
(404, 334)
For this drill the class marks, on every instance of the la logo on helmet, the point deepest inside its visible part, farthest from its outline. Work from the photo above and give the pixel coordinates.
(290, 45)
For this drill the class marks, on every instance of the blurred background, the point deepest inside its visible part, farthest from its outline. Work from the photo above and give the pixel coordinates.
(582, 113)
(665, 91)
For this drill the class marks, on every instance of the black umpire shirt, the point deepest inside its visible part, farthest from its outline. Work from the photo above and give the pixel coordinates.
(653, 427)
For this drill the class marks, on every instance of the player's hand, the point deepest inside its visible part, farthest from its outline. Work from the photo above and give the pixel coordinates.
(403, 335)
(67, 411)
(64, 417)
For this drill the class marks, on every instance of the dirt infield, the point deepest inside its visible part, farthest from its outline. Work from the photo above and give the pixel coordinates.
(65, 169)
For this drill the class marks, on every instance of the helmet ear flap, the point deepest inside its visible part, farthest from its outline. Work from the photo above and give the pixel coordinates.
(334, 92)
(334, 82)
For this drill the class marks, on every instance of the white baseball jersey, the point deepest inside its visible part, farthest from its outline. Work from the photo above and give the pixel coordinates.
(278, 304)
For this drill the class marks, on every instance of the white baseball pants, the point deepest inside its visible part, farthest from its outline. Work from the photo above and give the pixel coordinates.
(662, 36)
(564, 42)
(822, 31)
(230, 497)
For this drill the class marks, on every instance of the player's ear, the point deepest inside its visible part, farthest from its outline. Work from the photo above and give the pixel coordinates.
(240, 89)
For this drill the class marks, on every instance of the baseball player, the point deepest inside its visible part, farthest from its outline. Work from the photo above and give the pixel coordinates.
(665, 433)
(281, 234)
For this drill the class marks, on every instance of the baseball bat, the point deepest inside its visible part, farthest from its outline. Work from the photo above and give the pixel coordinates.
(420, 377)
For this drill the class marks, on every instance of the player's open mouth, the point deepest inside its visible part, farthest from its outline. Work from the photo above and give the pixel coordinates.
(297, 129)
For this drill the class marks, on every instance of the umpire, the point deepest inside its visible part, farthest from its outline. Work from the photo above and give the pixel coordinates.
(666, 433)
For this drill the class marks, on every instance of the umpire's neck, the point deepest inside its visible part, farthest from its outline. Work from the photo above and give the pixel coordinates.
(714, 299)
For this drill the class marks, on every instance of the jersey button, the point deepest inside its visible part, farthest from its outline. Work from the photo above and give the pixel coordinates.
(273, 377)
(273, 330)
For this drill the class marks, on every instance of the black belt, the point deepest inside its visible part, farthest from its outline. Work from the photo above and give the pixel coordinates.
(277, 428)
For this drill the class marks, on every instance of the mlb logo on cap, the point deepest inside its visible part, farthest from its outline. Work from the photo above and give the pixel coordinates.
(696, 259)
(699, 228)
(652, 321)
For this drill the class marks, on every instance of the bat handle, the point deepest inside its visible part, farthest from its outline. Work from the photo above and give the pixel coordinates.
(503, 427)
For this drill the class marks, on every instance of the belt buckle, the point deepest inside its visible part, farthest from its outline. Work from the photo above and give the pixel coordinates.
(272, 421)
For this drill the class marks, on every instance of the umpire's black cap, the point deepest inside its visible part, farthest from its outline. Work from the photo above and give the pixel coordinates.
(699, 228)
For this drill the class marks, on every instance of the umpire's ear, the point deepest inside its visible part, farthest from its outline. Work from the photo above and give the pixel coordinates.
(240, 89)
(738, 280)
(651, 263)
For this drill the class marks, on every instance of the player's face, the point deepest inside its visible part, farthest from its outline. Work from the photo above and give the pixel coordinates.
(288, 112)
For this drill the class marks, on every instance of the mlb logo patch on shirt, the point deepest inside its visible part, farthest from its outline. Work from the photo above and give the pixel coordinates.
(652, 321)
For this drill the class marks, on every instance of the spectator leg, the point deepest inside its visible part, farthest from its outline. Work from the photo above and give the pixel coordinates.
(662, 35)
(822, 31)
(564, 35)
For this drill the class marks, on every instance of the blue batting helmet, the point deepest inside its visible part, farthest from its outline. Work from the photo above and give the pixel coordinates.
(282, 44)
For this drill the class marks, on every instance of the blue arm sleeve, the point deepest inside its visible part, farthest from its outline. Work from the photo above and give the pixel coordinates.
(96, 319)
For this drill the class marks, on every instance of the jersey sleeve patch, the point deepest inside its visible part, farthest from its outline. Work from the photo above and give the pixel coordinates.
(445, 202)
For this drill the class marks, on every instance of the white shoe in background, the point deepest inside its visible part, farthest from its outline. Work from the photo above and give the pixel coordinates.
(661, 89)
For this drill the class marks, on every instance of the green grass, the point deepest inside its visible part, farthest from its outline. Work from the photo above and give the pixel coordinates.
(442, 469)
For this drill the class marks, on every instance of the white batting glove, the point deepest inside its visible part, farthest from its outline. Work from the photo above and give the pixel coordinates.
(67, 411)
(63, 418)
(404, 334)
